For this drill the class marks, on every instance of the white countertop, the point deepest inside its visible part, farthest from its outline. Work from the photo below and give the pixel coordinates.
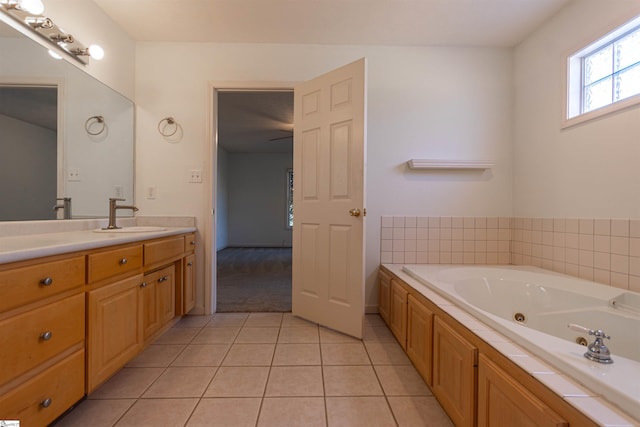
(28, 246)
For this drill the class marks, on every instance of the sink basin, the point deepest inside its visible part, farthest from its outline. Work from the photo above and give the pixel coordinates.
(135, 229)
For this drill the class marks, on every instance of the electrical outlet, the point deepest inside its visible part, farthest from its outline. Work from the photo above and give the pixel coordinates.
(73, 175)
(195, 175)
(151, 192)
(118, 191)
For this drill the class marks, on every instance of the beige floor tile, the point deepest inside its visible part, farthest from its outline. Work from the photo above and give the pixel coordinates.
(216, 335)
(291, 321)
(192, 321)
(226, 320)
(157, 356)
(330, 336)
(266, 335)
(177, 336)
(238, 382)
(401, 381)
(419, 411)
(158, 412)
(297, 354)
(386, 353)
(344, 354)
(264, 320)
(226, 412)
(378, 334)
(181, 382)
(299, 335)
(249, 355)
(96, 413)
(128, 383)
(288, 381)
(202, 355)
(359, 412)
(350, 381)
(374, 320)
(292, 411)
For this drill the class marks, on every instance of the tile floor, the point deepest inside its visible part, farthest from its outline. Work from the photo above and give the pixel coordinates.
(264, 369)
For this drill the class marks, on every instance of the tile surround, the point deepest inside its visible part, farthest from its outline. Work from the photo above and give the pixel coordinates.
(603, 250)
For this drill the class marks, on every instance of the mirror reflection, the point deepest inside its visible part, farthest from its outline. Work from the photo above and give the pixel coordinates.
(52, 146)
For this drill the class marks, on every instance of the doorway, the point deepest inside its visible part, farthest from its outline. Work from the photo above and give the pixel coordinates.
(253, 200)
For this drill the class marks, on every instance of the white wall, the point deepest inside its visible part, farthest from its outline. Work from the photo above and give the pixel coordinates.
(222, 211)
(258, 199)
(429, 102)
(590, 170)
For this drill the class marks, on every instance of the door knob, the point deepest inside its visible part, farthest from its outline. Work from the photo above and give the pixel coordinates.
(354, 212)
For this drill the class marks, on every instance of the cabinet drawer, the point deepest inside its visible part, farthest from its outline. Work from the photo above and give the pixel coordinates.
(46, 396)
(117, 261)
(189, 242)
(21, 286)
(33, 337)
(161, 250)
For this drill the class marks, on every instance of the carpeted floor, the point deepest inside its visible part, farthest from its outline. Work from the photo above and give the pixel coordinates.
(254, 279)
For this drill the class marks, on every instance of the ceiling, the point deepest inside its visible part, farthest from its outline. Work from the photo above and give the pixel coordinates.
(247, 121)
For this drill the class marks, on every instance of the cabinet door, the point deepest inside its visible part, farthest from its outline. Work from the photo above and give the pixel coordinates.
(503, 402)
(166, 294)
(398, 313)
(114, 328)
(150, 318)
(454, 373)
(420, 337)
(189, 283)
(158, 299)
(384, 295)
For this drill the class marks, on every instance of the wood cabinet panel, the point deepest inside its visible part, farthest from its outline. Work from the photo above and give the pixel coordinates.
(163, 250)
(20, 286)
(190, 242)
(33, 337)
(398, 312)
(420, 337)
(454, 373)
(384, 295)
(105, 264)
(43, 398)
(189, 284)
(503, 402)
(114, 328)
(158, 295)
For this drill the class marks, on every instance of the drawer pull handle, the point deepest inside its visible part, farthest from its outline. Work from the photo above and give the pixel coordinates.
(47, 281)
(190, 264)
(123, 261)
(163, 279)
(143, 285)
(46, 403)
(46, 336)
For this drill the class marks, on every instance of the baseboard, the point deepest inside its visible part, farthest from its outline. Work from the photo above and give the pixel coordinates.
(371, 309)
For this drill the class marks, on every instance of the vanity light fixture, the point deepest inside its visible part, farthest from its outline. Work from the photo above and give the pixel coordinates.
(26, 16)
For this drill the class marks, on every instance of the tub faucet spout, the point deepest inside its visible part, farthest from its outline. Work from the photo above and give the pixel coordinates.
(113, 207)
(597, 350)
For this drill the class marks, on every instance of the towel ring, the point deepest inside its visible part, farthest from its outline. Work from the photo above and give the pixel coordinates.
(92, 121)
(170, 121)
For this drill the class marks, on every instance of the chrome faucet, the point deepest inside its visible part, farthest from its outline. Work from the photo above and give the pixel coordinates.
(65, 206)
(596, 351)
(113, 207)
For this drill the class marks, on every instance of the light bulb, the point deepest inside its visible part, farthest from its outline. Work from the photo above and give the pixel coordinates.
(96, 52)
(34, 7)
(54, 54)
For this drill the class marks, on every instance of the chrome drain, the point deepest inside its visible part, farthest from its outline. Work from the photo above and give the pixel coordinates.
(519, 317)
(582, 341)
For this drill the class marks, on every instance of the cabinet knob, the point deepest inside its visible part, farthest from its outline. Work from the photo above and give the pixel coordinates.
(46, 336)
(123, 261)
(190, 264)
(47, 281)
(163, 279)
(143, 285)
(46, 402)
(193, 243)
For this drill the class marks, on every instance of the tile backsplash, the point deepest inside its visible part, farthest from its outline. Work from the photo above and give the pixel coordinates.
(602, 250)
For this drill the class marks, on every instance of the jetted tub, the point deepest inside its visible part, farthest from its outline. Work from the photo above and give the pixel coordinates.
(533, 307)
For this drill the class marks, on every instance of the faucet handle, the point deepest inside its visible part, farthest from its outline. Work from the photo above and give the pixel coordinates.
(595, 332)
(116, 199)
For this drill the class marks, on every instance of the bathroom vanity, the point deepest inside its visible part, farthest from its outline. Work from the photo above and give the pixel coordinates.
(72, 315)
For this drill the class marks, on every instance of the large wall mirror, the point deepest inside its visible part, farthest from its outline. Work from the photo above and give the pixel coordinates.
(52, 145)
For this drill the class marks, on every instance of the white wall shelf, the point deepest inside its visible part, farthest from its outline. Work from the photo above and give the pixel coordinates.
(450, 164)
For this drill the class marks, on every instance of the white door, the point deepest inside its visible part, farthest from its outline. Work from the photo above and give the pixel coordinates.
(328, 199)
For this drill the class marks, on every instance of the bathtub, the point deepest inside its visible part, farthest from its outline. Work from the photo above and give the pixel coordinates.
(533, 307)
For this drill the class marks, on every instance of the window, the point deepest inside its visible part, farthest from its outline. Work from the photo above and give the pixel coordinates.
(289, 219)
(605, 76)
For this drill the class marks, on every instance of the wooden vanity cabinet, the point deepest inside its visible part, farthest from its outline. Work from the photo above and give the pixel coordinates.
(384, 296)
(420, 337)
(158, 299)
(189, 284)
(503, 402)
(398, 312)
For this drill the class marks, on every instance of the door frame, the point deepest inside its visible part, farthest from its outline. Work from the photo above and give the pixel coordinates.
(211, 168)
